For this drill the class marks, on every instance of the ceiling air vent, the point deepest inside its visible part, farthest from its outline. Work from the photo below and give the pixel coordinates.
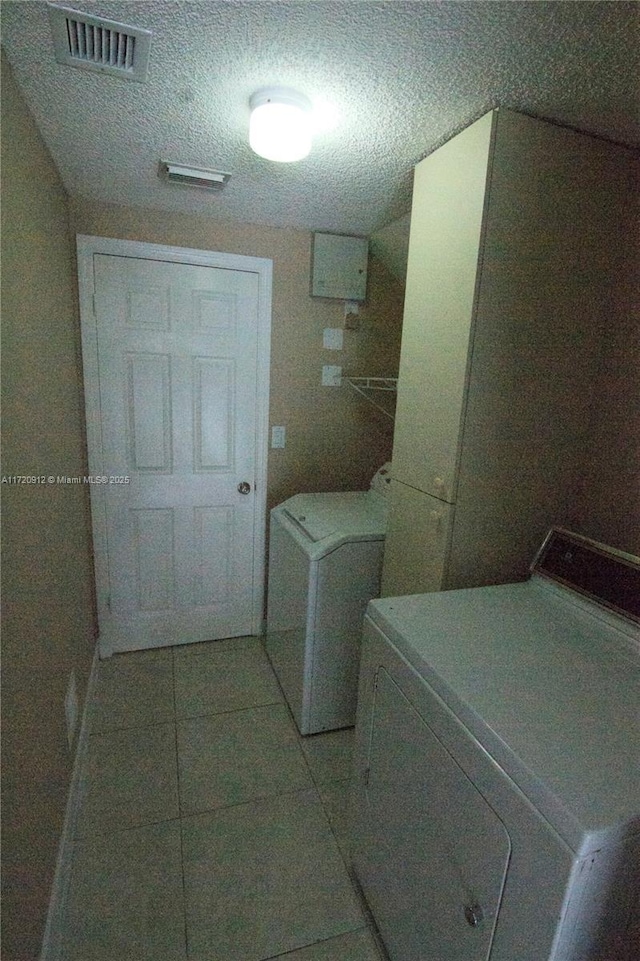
(81, 40)
(193, 176)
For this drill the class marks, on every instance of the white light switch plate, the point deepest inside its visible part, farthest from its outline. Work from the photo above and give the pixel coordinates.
(278, 436)
(333, 338)
(331, 376)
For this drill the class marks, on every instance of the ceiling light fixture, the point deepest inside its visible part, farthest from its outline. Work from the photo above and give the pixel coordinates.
(280, 124)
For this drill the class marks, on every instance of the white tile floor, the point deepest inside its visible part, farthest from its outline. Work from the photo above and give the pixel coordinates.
(211, 831)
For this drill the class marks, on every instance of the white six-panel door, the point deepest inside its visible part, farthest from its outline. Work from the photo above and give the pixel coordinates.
(174, 345)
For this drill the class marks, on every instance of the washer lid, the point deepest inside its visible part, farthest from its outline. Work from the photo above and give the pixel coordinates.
(310, 518)
(350, 516)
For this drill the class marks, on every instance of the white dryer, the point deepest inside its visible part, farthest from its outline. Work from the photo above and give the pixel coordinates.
(325, 562)
(497, 784)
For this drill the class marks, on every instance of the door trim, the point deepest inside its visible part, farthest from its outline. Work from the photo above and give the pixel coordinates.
(87, 248)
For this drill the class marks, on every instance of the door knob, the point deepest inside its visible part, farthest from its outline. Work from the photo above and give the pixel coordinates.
(244, 487)
(473, 914)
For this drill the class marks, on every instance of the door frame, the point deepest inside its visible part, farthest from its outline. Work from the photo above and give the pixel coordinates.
(87, 248)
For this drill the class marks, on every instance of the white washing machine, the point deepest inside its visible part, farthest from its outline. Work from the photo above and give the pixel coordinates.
(325, 561)
(497, 784)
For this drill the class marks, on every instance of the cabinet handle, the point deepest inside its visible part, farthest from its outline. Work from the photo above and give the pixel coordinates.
(244, 487)
(436, 518)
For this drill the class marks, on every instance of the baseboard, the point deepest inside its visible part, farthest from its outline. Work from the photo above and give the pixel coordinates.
(56, 914)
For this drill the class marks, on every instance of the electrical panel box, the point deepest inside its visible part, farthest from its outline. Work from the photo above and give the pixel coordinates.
(339, 266)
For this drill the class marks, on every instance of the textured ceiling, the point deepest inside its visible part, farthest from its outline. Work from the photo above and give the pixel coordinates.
(401, 77)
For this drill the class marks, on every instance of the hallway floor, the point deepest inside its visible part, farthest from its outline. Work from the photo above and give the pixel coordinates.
(210, 830)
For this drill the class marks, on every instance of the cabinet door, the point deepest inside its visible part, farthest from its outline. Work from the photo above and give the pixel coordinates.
(439, 851)
(446, 228)
(416, 544)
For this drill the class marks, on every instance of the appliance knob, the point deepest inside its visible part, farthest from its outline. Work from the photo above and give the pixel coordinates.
(244, 487)
(473, 914)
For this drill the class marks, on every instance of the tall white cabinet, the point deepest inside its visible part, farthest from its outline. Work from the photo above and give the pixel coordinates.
(512, 263)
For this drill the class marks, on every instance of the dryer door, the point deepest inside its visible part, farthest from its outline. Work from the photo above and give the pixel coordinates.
(440, 852)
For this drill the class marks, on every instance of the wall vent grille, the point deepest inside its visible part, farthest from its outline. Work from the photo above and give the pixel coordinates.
(81, 40)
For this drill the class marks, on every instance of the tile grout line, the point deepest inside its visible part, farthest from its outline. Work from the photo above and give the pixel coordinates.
(315, 784)
(115, 832)
(334, 937)
(233, 710)
(293, 722)
(252, 800)
(139, 726)
(316, 781)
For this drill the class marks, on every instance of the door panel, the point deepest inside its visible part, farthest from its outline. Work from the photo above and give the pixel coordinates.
(178, 422)
(213, 414)
(148, 403)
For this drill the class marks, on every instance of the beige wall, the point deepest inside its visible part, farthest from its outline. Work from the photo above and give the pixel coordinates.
(47, 574)
(335, 440)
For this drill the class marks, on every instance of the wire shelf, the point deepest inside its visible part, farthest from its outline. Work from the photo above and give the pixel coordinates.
(373, 383)
(361, 384)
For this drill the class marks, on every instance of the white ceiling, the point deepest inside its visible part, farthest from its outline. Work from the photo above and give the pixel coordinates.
(402, 78)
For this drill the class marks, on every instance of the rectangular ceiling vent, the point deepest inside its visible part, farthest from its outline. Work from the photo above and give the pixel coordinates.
(193, 176)
(81, 40)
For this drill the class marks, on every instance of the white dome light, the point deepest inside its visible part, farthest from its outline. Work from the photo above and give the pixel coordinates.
(280, 125)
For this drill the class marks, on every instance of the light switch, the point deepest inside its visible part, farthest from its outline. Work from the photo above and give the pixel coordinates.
(332, 338)
(331, 376)
(278, 436)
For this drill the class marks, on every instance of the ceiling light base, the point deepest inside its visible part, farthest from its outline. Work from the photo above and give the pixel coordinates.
(280, 125)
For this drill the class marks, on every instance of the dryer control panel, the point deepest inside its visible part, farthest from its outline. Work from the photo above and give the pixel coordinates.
(608, 577)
